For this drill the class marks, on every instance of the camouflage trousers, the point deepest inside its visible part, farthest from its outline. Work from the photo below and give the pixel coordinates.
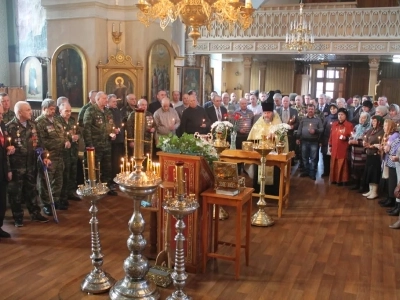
(103, 156)
(55, 172)
(69, 184)
(22, 189)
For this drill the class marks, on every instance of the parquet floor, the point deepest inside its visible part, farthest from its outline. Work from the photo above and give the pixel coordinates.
(331, 243)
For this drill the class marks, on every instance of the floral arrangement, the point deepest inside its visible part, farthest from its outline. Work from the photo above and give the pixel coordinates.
(234, 120)
(188, 144)
(280, 131)
(222, 128)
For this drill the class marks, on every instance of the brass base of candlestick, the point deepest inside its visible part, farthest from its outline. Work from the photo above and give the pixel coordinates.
(222, 214)
(261, 219)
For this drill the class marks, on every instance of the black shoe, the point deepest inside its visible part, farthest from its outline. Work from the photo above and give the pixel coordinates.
(47, 210)
(390, 202)
(333, 182)
(61, 206)
(4, 234)
(382, 201)
(112, 193)
(74, 197)
(18, 223)
(303, 175)
(313, 177)
(395, 212)
(39, 218)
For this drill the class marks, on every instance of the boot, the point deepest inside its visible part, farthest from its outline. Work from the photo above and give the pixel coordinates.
(396, 211)
(374, 191)
(389, 210)
(390, 202)
(395, 225)
(383, 200)
(369, 192)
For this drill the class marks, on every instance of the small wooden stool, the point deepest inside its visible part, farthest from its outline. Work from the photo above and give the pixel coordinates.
(209, 197)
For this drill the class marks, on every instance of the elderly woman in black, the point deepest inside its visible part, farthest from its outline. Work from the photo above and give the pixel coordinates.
(371, 143)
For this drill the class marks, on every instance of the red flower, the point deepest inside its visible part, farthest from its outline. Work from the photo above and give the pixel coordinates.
(237, 117)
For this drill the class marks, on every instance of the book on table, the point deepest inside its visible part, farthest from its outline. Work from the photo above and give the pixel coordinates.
(226, 191)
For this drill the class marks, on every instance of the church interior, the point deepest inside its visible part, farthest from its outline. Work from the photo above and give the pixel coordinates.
(327, 241)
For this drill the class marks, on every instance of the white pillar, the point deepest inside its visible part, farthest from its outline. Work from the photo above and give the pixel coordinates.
(247, 61)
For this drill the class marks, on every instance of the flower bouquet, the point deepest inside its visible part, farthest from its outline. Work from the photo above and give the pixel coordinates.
(280, 131)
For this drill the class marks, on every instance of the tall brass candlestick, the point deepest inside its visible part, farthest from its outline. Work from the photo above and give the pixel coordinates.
(139, 133)
(91, 164)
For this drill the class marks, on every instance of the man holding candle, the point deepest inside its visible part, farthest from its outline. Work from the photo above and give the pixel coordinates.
(22, 188)
(308, 136)
(216, 112)
(70, 155)
(8, 114)
(289, 116)
(98, 131)
(166, 119)
(194, 118)
(53, 138)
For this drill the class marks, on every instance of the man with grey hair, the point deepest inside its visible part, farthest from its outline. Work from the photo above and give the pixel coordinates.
(277, 100)
(92, 100)
(166, 119)
(129, 107)
(382, 101)
(322, 109)
(53, 138)
(98, 132)
(382, 111)
(59, 101)
(8, 114)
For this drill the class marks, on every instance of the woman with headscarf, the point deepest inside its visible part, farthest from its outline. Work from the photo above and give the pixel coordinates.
(371, 143)
(358, 156)
(329, 120)
(338, 141)
(389, 146)
(394, 113)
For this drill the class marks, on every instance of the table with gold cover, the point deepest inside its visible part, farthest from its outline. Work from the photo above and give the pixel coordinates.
(282, 161)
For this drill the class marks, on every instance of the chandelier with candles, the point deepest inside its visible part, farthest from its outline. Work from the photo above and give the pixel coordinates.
(300, 36)
(196, 13)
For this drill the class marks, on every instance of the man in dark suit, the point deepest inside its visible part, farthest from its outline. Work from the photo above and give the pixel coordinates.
(289, 116)
(216, 112)
(322, 107)
(357, 109)
(5, 174)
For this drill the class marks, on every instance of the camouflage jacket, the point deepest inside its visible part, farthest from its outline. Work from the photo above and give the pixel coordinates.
(8, 116)
(130, 123)
(97, 126)
(51, 135)
(82, 113)
(71, 128)
(125, 112)
(25, 140)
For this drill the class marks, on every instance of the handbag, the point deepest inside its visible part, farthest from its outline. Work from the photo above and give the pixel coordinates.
(397, 191)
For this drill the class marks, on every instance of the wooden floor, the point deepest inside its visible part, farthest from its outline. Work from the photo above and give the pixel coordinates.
(331, 243)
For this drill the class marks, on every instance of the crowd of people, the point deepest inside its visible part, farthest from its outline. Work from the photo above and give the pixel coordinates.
(358, 140)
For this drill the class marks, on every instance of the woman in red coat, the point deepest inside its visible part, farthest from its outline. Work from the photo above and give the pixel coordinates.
(339, 143)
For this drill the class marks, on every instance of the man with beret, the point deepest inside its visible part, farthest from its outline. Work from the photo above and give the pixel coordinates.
(308, 136)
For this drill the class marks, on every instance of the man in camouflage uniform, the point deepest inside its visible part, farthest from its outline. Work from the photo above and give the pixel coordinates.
(8, 114)
(92, 100)
(54, 139)
(70, 155)
(98, 131)
(129, 107)
(22, 188)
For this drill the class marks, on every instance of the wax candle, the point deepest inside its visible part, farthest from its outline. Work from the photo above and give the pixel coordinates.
(139, 133)
(179, 177)
(148, 161)
(123, 165)
(9, 141)
(91, 163)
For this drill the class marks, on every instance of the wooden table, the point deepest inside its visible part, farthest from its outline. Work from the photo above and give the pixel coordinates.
(209, 197)
(282, 161)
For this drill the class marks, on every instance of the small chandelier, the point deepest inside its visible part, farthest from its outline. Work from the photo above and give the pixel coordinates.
(300, 36)
(196, 13)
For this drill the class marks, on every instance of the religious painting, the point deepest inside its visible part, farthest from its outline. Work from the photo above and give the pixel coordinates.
(191, 80)
(69, 75)
(161, 67)
(121, 77)
(34, 77)
(121, 85)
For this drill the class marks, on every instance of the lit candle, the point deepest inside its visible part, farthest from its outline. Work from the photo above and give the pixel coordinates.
(9, 141)
(113, 27)
(123, 165)
(122, 168)
(91, 163)
(128, 167)
(204, 121)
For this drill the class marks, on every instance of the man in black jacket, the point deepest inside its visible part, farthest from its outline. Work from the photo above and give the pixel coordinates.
(216, 112)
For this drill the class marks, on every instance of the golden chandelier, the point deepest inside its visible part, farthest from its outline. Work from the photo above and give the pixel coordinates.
(300, 36)
(196, 13)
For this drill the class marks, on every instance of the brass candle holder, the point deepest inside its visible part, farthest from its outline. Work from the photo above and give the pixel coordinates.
(97, 281)
(261, 218)
(179, 207)
(139, 185)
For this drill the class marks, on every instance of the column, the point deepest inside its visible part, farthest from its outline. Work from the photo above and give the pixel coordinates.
(247, 60)
(4, 62)
(373, 75)
(261, 77)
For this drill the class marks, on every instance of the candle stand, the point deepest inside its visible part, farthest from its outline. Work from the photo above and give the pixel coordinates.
(139, 185)
(180, 206)
(97, 281)
(260, 218)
